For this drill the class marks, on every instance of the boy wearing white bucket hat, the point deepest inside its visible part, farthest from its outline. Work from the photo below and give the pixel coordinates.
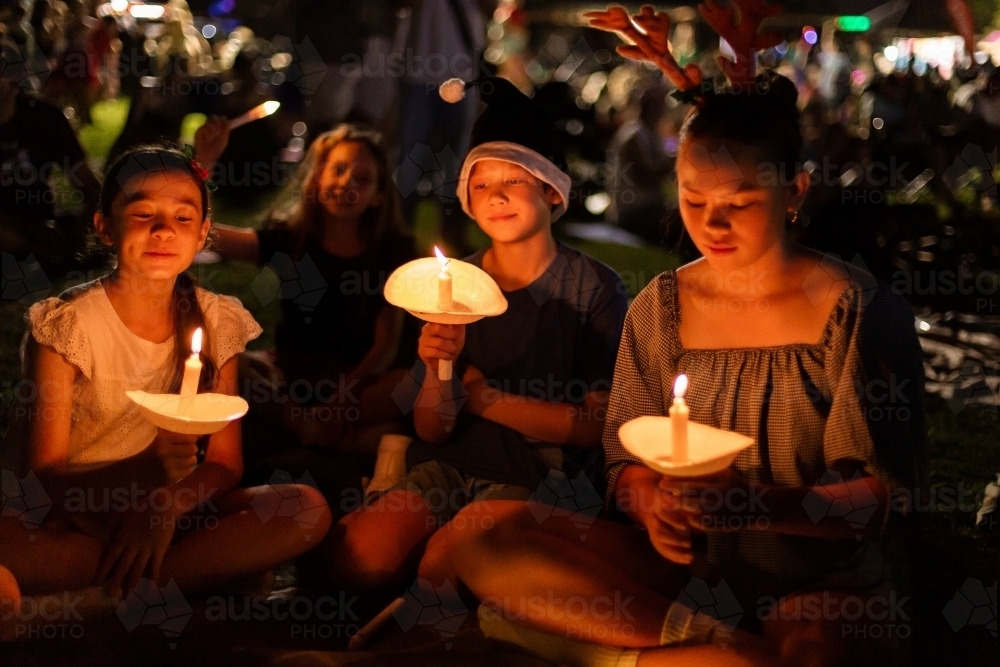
(524, 414)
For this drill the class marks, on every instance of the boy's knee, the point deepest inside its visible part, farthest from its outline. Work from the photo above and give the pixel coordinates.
(437, 554)
(306, 506)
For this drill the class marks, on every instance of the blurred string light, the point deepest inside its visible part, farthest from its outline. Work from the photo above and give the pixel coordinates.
(208, 31)
(119, 6)
(942, 53)
(597, 203)
(852, 23)
(505, 38)
(281, 60)
(883, 64)
(809, 35)
(574, 126)
(221, 7)
(913, 188)
(891, 52)
(150, 12)
(230, 48)
(683, 45)
(504, 10)
(592, 89)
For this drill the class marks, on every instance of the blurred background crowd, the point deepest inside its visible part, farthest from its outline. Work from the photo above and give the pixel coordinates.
(900, 104)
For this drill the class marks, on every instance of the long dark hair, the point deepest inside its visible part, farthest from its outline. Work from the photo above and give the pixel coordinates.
(300, 205)
(186, 309)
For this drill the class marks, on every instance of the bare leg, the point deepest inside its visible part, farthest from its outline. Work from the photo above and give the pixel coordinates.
(45, 560)
(543, 574)
(245, 540)
(248, 539)
(378, 546)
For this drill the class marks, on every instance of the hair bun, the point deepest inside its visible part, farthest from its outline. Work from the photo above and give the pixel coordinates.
(780, 90)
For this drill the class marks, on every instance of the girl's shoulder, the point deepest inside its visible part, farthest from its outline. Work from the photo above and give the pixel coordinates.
(231, 324)
(63, 322)
(659, 297)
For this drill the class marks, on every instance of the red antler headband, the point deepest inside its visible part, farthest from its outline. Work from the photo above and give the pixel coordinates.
(649, 32)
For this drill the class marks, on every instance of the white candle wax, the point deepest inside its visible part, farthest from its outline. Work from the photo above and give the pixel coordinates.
(445, 303)
(679, 421)
(192, 367)
(258, 112)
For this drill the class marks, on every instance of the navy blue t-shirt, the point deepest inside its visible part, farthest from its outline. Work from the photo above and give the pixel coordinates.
(329, 304)
(557, 342)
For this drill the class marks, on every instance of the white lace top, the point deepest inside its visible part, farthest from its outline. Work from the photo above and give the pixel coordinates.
(83, 326)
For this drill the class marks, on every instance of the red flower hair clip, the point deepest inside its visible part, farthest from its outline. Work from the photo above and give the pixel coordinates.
(199, 170)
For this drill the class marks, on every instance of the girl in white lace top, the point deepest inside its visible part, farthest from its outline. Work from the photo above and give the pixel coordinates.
(130, 502)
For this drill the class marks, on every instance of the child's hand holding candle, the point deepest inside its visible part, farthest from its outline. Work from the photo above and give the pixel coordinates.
(679, 421)
(192, 367)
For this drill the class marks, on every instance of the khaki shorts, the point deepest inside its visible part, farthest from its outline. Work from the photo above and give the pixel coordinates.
(446, 490)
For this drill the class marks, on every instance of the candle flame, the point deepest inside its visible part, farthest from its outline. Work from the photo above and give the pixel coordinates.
(441, 258)
(196, 341)
(270, 107)
(680, 385)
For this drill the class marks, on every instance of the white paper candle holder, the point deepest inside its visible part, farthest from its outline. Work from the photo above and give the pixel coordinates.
(474, 295)
(200, 414)
(710, 450)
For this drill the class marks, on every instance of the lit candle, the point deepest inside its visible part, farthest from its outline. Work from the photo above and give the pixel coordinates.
(192, 367)
(444, 282)
(679, 421)
(445, 304)
(258, 112)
